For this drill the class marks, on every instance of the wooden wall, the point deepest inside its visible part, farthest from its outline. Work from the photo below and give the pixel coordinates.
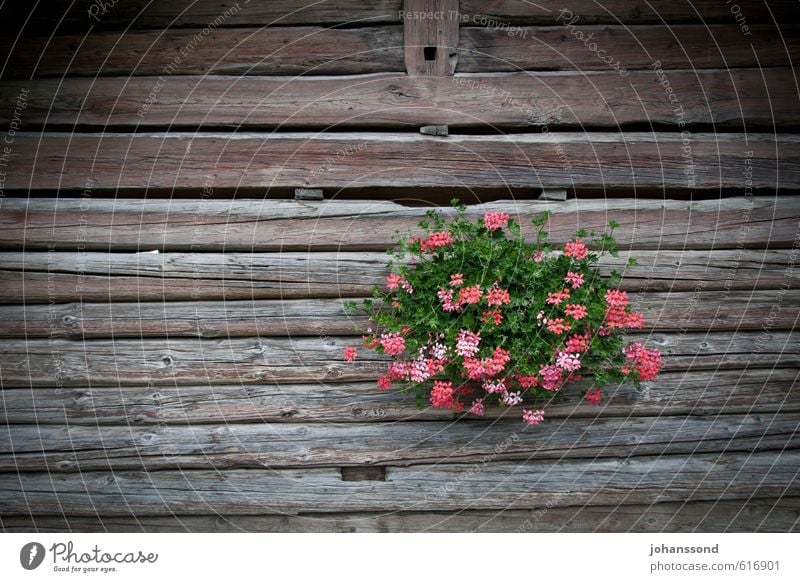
(171, 319)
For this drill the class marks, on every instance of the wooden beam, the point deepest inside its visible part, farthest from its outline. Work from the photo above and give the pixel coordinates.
(675, 393)
(184, 161)
(729, 98)
(441, 487)
(118, 448)
(60, 16)
(430, 31)
(186, 362)
(113, 277)
(754, 515)
(623, 11)
(698, 310)
(237, 51)
(345, 225)
(573, 47)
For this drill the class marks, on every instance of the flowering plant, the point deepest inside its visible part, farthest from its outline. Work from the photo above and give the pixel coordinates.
(472, 313)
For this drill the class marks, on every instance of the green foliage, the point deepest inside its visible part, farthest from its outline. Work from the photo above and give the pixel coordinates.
(528, 269)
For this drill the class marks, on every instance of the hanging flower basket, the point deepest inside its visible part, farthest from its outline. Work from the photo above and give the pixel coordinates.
(473, 314)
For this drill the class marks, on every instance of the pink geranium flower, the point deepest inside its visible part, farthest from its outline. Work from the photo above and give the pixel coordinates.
(532, 417)
(574, 279)
(497, 296)
(494, 220)
(576, 250)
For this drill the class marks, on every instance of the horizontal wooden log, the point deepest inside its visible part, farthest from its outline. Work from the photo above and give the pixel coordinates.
(302, 317)
(283, 225)
(753, 515)
(58, 16)
(116, 448)
(128, 362)
(728, 98)
(499, 485)
(72, 161)
(624, 48)
(696, 311)
(97, 277)
(211, 50)
(675, 393)
(618, 11)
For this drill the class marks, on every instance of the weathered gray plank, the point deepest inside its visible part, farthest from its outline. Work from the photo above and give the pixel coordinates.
(675, 393)
(752, 515)
(300, 317)
(278, 225)
(86, 448)
(698, 310)
(58, 16)
(679, 46)
(618, 11)
(764, 97)
(71, 161)
(151, 362)
(501, 485)
(88, 276)
(242, 51)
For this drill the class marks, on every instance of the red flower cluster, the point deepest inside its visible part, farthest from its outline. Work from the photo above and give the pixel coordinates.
(576, 250)
(494, 220)
(645, 362)
(436, 240)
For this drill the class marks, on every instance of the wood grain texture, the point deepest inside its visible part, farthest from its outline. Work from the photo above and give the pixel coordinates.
(85, 448)
(62, 277)
(619, 11)
(674, 394)
(698, 310)
(242, 51)
(59, 16)
(430, 36)
(277, 225)
(729, 98)
(753, 515)
(152, 362)
(444, 487)
(577, 48)
(185, 161)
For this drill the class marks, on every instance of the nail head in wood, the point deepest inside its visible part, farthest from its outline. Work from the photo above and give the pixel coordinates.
(553, 194)
(309, 194)
(441, 130)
